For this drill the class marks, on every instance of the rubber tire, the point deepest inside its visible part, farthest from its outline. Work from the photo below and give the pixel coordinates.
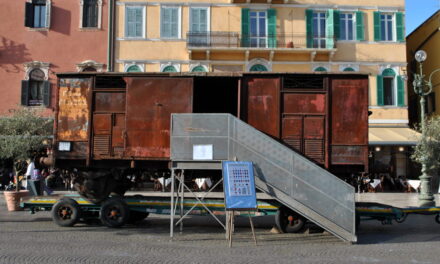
(73, 211)
(115, 205)
(282, 222)
(136, 216)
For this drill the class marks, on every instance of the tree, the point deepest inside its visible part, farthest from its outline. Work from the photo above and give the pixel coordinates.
(428, 146)
(22, 135)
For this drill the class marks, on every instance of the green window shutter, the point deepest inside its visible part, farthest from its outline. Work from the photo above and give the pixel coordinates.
(360, 34)
(400, 91)
(24, 93)
(272, 27)
(337, 23)
(330, 29)
(138, 22)
(245, 27)
(380, 90)
(130, 19)
(46, 93)
(309, 28)
(377, 29)
(400, 29)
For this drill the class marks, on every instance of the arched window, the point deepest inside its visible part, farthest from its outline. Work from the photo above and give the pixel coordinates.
(169, 68)
(390, 88)
(89, 69)
(349, 69)
(320, 69)
(35, 91)
(134, 68)
(258, 68)
(199, 68)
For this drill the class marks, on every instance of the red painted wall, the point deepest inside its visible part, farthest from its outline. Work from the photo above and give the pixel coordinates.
(63, 46)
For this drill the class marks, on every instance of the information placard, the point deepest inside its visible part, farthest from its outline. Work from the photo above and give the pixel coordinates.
(239, 185)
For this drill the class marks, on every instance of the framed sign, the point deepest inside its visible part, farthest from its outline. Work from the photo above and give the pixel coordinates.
(202, 152)
(239, 185)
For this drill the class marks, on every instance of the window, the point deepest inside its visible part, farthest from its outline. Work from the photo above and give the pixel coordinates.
(386, 27)
(320, 69)
(90, 13)
(35, 91)
(169, 68)
(389, 27)
(37, 14)
(347, 26)
(134, 22)
(199, 35)
(199, 19)
(169, 22)
(349, 69)
(258, 67)
(390, 89)
(319, 37)
(258, 28)
(134, 68)
(198, 68)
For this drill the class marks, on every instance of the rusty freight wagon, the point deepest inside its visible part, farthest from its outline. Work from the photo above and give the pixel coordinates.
(110, 121)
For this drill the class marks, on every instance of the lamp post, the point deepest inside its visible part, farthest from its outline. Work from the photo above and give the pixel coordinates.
(422, 88)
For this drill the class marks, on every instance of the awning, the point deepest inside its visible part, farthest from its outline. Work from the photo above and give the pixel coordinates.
(392, 136)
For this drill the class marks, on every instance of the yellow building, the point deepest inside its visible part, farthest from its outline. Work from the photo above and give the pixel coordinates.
(426, 37)
(365, 36)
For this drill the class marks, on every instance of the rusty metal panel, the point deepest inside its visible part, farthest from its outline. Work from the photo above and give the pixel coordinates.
(349, 137)
(150, 102)
(263, 105)
(109, 102)
(304, 103)
(349, 111)
(118, 131)
(314, 127)
(292, 130)
(343, 155)
(102, 124)
(73, 109)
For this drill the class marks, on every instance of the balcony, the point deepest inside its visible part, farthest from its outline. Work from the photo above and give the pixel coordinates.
(233, 40)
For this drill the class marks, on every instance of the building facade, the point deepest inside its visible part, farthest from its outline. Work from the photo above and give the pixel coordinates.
(426, 37)
(280, 36)
(40, 38)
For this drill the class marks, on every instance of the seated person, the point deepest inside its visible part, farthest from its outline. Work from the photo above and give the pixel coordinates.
(203, 184)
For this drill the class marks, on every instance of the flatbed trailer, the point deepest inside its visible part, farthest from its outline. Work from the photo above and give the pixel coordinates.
(68, 209)
(387, 213)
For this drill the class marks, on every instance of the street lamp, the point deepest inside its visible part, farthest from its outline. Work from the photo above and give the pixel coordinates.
(422, 88)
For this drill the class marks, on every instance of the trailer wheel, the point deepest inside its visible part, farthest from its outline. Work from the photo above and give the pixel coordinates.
(66, 212)
(114, 212)
(437, 218)
(288, 221)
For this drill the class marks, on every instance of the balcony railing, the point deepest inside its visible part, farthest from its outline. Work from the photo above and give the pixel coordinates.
(235, 40)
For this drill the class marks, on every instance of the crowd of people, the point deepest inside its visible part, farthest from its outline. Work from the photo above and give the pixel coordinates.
(383, 182)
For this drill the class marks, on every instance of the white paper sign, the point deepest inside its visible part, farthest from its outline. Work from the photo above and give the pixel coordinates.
(202, 152)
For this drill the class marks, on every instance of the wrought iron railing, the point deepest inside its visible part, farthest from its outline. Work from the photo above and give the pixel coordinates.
(217, 39)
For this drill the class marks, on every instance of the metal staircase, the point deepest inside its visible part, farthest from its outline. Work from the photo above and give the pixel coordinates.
(287, 176)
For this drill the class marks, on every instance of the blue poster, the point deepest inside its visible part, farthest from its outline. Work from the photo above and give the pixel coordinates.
(239, 185)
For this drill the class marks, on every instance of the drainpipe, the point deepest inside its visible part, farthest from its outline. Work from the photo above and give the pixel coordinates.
(111, 36)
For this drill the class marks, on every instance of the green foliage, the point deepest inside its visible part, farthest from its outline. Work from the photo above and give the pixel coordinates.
(428, 147)
(23, 133)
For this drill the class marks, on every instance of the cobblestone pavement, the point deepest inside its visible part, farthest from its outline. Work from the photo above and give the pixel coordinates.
(26, 238)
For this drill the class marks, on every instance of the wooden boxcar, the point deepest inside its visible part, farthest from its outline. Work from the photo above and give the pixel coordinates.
(108, 120)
